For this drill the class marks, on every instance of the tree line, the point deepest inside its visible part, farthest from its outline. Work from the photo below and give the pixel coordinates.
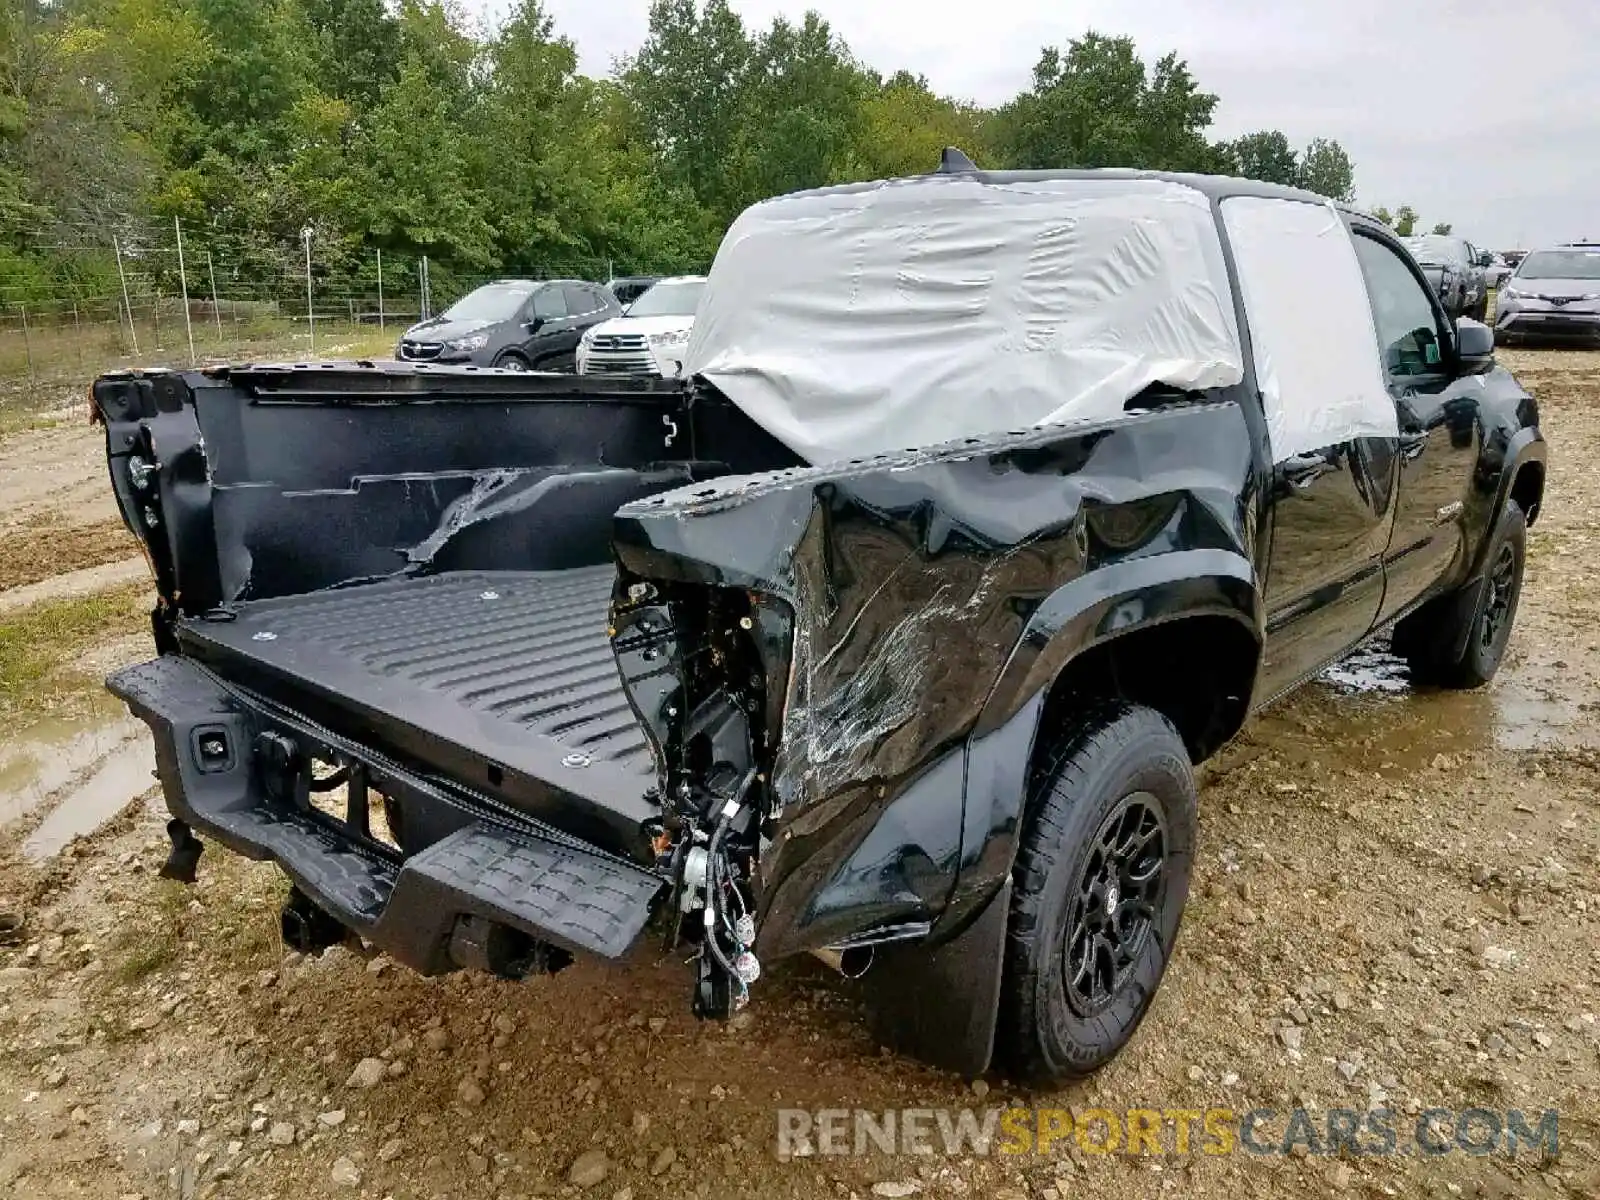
(401, 128)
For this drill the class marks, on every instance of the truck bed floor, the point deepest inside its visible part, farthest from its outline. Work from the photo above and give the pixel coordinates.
(488, 674)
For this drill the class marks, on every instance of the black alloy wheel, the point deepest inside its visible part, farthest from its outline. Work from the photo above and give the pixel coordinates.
(1102, 872)
(1116, 903)
(1499, 603)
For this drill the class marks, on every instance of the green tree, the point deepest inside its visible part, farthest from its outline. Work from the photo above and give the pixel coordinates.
(1098, 106)
(1384, 215)
(803, 114)
(1326, 169)
(398, 125)
(243, 92)
(78, 87)
(356, 48)
(1405, 220)
(905, 126)
(634, 217)
(1443, 228)
(423, 174)
(1268, 157)
(534, 119)
(688, 84)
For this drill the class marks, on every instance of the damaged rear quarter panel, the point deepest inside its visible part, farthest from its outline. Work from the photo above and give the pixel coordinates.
(930, 595)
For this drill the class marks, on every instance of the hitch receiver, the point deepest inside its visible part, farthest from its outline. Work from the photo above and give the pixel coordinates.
(306, 928)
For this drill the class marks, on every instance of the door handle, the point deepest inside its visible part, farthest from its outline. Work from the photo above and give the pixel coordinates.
(1412, 445)
(1301, 471)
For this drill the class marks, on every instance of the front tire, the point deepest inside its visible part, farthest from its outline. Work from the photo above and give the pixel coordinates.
(1459, 640)
(1100, 881)
(512, 361)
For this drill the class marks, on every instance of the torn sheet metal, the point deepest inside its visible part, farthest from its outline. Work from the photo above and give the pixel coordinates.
(862, 320)
(919, 585)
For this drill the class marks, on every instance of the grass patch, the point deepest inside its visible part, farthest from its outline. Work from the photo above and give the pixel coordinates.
(243, 903)
(140, 952)
(46, 548)
(15, 420)
(40, 646)
(234, 928)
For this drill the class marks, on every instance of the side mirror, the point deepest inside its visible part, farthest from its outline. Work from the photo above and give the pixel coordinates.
(534, 324)
(1484, 260)
(1474, 346)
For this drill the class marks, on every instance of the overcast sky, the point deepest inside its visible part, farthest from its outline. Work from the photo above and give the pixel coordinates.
(1485, 113)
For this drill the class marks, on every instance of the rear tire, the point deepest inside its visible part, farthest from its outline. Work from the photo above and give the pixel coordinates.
(1100, 881)
(1458, 640)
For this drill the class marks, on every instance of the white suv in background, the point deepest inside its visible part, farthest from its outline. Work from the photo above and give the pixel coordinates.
(650, 337)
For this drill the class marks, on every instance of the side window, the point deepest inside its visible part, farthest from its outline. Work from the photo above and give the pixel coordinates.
(579, 300)
(1408, 334)
(549, 303)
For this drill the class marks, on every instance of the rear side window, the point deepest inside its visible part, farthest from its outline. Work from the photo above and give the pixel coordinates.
(1310, 327)
(1408, 334)
(548, 302)
(582, 300)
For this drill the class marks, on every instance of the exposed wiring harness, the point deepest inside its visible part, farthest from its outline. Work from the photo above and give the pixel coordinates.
(740, 967)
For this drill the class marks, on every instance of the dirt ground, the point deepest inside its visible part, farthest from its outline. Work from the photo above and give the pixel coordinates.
(1397, 904)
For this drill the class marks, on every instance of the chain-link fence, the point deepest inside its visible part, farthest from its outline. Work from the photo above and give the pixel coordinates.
(78, 301)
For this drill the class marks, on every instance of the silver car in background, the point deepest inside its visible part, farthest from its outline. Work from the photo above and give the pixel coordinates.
(1554, 295)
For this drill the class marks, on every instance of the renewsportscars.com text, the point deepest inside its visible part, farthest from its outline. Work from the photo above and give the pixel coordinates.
(1434, 1132)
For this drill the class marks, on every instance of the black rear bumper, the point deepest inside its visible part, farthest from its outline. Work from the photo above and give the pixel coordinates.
(461, 857)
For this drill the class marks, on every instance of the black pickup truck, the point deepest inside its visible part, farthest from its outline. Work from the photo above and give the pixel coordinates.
(500, 668)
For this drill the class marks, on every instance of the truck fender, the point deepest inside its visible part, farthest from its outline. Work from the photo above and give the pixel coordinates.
(964, 957)
(1086, 613)
(1526, 446)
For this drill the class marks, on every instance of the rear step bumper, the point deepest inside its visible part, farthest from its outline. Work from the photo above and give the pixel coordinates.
(478, 861)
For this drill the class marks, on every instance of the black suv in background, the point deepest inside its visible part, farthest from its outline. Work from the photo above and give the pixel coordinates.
(518, 324)
(1453, 267)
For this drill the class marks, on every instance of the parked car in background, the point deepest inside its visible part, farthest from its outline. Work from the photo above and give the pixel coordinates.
(630, 289)
(1451, 266)
(1553, 295)
(650, 338)
(1498, 270)
(516, 324)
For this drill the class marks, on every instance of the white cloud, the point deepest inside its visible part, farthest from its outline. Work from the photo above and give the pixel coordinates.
(1479, 114)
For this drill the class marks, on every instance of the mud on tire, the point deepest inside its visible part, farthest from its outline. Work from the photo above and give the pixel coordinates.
(1100, 881)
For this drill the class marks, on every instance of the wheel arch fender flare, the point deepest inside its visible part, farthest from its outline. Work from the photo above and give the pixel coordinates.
(963, 959)
(1088, 613)
(1525, 448)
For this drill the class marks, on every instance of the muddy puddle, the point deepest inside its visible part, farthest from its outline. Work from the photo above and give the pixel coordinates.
(70, 776)
(1368, 709)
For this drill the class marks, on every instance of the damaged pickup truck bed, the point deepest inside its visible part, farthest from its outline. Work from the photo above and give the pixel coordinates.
(499, 667)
